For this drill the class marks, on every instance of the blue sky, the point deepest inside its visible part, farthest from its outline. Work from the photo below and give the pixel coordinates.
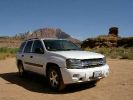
(79, 18)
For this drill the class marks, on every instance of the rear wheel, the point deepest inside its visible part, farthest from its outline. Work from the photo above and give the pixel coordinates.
(20, 69)
(55, 79)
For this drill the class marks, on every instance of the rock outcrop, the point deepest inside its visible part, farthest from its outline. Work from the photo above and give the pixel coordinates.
(113, 31)
(110, 40)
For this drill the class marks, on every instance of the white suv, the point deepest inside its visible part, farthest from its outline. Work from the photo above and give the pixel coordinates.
(61, 62)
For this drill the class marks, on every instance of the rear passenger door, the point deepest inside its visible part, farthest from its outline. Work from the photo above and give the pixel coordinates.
(38, 57)
(27, 56)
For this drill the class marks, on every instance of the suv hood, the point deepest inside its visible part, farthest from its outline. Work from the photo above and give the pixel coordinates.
(78, 54)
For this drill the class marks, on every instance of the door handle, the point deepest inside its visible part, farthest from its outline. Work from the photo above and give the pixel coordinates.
(31, 56)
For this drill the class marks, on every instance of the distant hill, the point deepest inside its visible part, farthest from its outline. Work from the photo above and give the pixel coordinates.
(10, 42)
(51, 33)
(6, 41)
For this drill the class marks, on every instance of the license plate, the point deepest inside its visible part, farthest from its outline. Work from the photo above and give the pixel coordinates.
(97, 74)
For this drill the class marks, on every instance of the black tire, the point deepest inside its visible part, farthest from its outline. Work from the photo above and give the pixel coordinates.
(95, 82)
(21, 70)
(55, 78)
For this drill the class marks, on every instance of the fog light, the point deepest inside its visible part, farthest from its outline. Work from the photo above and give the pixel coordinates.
(107, 73)
(75, 75)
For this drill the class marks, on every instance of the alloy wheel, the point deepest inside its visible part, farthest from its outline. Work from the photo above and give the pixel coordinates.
(54, 78)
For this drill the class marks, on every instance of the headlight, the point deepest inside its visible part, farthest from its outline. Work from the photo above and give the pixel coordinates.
(104, 60)
(73, 64)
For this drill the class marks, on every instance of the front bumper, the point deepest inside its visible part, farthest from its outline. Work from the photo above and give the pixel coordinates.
(83, 75)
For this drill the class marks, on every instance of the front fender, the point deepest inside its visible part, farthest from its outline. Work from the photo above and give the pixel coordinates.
(58, 61)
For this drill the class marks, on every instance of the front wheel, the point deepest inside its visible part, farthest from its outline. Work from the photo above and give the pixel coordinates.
(95, 82)
(55, 79)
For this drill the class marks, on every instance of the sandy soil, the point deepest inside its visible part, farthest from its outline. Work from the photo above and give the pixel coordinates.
(118, 86)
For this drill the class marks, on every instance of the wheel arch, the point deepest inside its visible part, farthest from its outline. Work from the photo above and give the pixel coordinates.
(51, 64)
(56, 66)
(19, 61)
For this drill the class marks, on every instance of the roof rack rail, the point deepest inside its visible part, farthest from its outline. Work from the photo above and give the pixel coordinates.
(32, 38)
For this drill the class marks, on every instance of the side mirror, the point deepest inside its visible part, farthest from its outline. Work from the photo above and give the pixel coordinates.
(39, 50)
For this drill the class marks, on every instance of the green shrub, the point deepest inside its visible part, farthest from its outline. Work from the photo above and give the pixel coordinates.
(7, 52)
(114, 53)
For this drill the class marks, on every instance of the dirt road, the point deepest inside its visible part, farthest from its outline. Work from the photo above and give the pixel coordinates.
(118, 86)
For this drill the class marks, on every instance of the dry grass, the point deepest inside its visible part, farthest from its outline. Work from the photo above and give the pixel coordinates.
(114, 53)
(7, 52)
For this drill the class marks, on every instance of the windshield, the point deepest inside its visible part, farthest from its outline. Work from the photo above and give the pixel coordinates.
(60, 45)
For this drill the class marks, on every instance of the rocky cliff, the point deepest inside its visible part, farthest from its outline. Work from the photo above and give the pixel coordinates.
(110, 40)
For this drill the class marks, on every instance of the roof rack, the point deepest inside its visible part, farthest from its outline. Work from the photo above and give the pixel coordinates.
(32, 38)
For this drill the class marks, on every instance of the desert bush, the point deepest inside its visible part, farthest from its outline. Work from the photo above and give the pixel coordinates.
(7, 52)
(114, 53)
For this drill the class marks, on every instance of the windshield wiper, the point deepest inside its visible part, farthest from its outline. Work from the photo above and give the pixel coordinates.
(64, 49)
(56, 49)
(71, 49)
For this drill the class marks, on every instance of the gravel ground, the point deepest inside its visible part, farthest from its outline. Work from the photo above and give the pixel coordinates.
(117, 86)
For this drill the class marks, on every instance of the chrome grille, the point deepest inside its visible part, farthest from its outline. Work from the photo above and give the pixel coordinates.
(90, 63)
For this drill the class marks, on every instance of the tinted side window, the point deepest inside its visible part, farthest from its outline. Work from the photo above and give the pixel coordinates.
(28, 47)
(22, 47)
(38, 47)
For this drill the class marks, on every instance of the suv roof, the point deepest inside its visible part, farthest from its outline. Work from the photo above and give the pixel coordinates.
(44, 39)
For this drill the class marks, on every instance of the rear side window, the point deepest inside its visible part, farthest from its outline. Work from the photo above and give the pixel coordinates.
(28, 47)
(22, 47)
